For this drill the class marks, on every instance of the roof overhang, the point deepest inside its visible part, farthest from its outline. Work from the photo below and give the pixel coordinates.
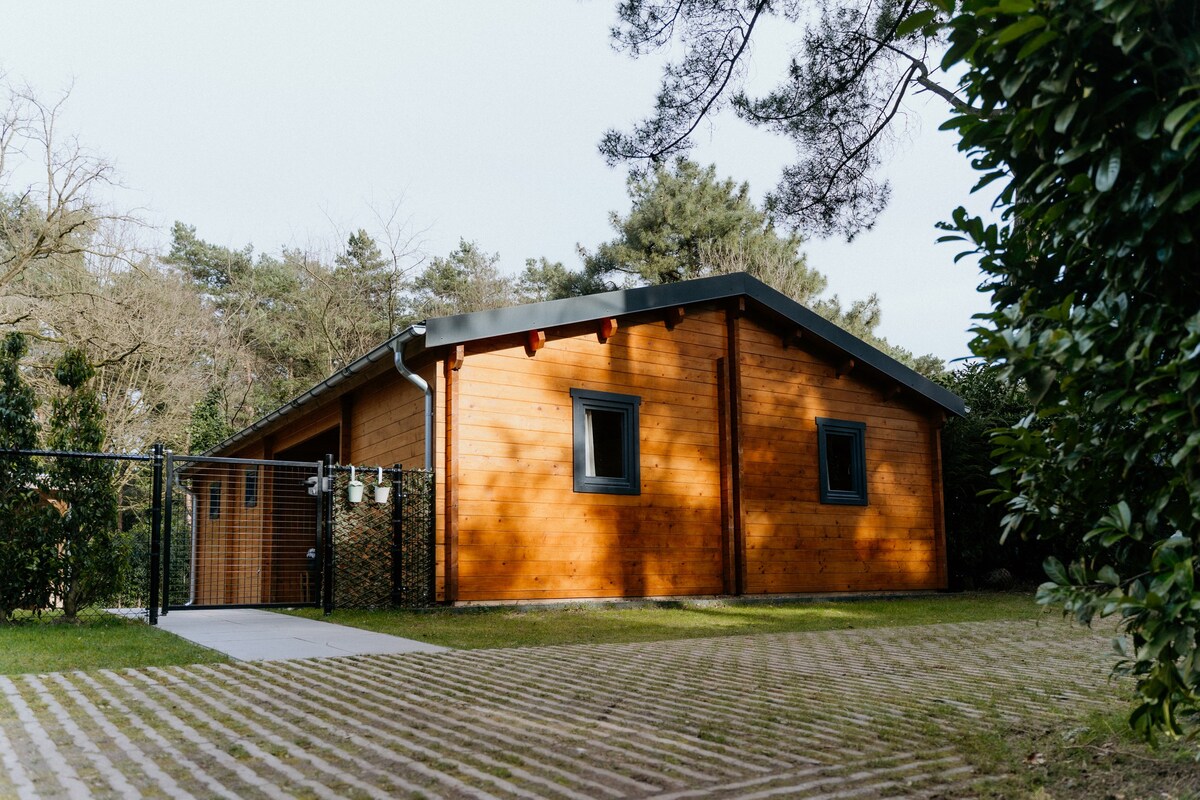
(461, 328)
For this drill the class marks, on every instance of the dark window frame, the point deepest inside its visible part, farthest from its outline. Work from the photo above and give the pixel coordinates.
(250, 487)
(625, 404)
(214, 500)
(857, 431)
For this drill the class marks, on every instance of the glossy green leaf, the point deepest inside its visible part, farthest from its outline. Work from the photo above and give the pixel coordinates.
(1177, 115)
(1108, 170)
(1020, 28)
(1036, 43)
(1055, 571)
(1183, 130)
(915, 22)
(1063, 121)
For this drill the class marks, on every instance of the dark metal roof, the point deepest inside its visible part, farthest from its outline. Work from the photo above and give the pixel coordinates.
(537, 316)
(462, 328)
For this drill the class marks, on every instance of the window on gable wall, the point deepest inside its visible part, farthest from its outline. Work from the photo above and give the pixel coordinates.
(606, 456)
(842, 452)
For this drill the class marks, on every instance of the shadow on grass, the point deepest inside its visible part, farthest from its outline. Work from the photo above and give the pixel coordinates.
(531, 626)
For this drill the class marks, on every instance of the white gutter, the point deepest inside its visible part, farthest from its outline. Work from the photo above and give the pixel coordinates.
(398, 343)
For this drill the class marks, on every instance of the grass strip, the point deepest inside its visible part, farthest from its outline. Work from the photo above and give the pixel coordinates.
(98, 643)
(532, 626)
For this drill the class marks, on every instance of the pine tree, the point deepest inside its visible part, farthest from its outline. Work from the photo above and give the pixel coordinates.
(93, 553)
(26, 551)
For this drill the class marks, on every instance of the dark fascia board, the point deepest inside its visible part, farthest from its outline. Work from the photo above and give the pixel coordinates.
(462, 328)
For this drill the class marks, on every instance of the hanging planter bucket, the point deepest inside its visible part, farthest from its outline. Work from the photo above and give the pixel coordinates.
(354, 490)
(381, 491)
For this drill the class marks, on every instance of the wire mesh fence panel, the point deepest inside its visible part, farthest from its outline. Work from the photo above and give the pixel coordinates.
(416, 559)
(242, 533)
(383, 546)
(362, 543)
(74, 535)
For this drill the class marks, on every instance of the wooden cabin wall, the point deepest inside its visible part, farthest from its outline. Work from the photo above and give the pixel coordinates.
(306, 425)
(522, 530)
(387, 427)
(231, 560)
(387, 421)
(211, 544)
(793, 542)
(380, 423)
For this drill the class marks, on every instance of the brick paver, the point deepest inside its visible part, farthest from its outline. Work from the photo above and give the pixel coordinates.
(837, 714)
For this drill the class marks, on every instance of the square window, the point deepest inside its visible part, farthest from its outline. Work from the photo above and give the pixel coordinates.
(842, 451)
(251, 487)
(606, 442)
(214, 500)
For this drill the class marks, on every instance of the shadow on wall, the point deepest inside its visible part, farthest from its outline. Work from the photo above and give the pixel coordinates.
(525, 533)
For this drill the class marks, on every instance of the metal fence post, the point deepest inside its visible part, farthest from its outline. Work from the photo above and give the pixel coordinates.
(327, 525)
(156, 489)
(398, 592)
(168, 489)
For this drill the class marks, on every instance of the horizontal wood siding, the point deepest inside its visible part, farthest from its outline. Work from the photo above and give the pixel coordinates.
(388, 421)
(524, 533)
(388, 427)
(794, 543)
(308, 424)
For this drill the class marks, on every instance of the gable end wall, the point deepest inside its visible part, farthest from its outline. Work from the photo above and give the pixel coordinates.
(794, 543)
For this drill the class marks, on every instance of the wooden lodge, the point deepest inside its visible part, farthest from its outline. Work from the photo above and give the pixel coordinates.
(710, 437)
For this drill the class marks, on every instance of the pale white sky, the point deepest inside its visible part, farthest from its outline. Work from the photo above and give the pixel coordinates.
(282, 123)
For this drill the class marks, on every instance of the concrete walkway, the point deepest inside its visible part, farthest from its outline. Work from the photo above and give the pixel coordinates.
(253, 635)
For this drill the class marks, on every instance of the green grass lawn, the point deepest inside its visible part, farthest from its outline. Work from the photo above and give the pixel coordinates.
(488, 627)
(113, 643)
(101, 643)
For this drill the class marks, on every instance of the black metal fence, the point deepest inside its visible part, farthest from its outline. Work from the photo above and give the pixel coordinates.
(77, 538)
(241, 533)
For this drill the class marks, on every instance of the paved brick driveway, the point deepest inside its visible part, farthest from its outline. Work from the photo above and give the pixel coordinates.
(839, 714)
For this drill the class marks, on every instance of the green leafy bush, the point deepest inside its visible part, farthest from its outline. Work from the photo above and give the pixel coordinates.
(1087, 114)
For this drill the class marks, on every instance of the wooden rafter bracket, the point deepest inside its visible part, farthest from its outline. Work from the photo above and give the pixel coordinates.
(892, 392)
(606, 329)
(534, 341)
(738, 307)
(454, 359)
(846, 367)
(674, 316)
(792, 338)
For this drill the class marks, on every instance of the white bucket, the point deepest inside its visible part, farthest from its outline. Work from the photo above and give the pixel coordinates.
(381, 493)
(354, 491)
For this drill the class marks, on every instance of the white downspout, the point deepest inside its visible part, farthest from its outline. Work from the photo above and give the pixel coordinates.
(405, 336)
